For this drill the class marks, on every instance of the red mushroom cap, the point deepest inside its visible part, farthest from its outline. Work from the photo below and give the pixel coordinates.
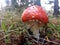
(34, 13)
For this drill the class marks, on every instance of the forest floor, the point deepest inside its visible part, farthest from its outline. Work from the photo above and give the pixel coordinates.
(13, 32)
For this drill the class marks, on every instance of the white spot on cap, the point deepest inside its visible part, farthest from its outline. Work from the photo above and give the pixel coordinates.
(33, 20)
(33, 16)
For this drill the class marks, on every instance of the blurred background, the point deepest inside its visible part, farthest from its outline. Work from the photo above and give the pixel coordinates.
(50, 6)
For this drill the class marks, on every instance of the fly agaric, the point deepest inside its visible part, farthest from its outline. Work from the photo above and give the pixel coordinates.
(36, 16)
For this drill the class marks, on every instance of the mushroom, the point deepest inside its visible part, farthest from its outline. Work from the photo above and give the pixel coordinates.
(34, 16)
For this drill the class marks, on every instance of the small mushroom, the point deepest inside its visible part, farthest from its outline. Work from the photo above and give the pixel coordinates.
(36, 16)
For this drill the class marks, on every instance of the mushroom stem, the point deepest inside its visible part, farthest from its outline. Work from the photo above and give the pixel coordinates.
(35, 30)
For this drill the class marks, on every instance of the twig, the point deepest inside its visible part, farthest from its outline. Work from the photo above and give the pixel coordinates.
(36, 41)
